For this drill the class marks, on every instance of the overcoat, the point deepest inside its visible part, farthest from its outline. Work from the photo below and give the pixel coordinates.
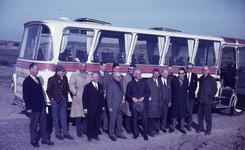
(179, 98)
(155, 102)
(207, 90)
(76, 85)
(126, 80)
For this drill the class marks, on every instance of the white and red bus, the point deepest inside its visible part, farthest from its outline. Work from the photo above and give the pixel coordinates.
(66, 42)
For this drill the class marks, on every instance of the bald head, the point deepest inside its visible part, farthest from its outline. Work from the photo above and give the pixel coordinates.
(165, 73)
(82, 66)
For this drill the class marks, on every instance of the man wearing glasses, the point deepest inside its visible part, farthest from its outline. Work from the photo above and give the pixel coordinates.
(115, 96)
(192, 86)
(207, 90)
(57, 92)
(126, 80)
(179, 94)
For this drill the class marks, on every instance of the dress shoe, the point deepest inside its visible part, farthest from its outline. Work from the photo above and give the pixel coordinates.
(171, 130)
(164, 130)
(99, 132)
(151, 134)
(59, 137)
(207, 133)
(146, 138)
(79, 135)
(199, 130)
(89, 140)
(106, 131)
(112, 138)
(68, 137)
(189, 128)
(128, 131)
(183, 131)
(122, 137)
(135, 137)
(85, 133)
(48, 143)
(35, 144)
(96, 138)
(156, 132)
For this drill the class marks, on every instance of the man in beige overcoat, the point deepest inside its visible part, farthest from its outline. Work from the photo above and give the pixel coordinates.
(77, 82)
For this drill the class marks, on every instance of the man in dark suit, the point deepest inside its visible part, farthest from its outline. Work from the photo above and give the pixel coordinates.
(35, 106)
(104, 80)
(206, 93)
(93, 104)
(115, 96)
(179, 94)
(155, 103)
(170, 72)
(166, 95)
(57, 92)
(138, 92)
(192, 86)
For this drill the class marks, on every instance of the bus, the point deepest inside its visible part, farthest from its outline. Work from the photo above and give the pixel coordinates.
(67, 42)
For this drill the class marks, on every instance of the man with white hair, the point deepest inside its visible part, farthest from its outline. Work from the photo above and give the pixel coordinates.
(207, 90)
(93, 103)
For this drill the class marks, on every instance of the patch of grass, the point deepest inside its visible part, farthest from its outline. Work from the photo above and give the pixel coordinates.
(8, 57)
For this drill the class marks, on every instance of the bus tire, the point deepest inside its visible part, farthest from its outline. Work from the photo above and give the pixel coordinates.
(234, 110)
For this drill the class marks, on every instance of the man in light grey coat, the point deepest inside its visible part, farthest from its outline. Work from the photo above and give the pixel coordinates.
(115, 96)
(77, 82)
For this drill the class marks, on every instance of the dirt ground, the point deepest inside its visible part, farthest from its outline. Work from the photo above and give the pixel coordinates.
(228, 132)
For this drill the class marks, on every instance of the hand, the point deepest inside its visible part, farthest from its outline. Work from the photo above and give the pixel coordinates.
(85, 111)
(110, 110)
(104, 95)
(123, 101)
(135, 100)
(29, 111)
(141, 99)
(169, 104)
(150, 99)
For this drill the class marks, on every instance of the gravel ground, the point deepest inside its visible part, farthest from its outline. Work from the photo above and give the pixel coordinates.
(228, 131)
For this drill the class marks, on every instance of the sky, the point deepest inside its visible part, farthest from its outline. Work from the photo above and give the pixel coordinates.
(224, 18)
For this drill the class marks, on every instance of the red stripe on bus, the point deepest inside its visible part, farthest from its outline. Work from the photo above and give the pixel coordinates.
(241, 41)
(95, 67)
(229, 40)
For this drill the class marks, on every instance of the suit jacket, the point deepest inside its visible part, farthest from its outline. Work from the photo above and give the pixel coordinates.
(166, 93)
(179, 101)
(33, 94)
(114, 96)
(143, 91)
(106, 80)
(207, 90)
(155, 102)
(93, 99)
(54, 88)
(192, 86)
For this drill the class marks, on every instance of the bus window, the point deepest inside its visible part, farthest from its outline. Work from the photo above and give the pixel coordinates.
(146, 50)
(241, 60)
(206, 53)
(75, 45)
(33, 49)
(112, 47)
(179, 51)
(228, 66)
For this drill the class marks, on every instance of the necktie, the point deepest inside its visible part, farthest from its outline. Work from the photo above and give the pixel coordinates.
(96, 86)
(36, 81)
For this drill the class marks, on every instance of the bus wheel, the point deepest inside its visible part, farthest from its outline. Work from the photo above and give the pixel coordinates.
(234, 110)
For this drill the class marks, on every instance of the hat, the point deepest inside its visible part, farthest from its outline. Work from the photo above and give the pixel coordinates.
(139, 106)
(122, 108)
(59, 68)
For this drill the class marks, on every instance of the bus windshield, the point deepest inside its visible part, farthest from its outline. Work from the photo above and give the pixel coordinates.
(37, 43)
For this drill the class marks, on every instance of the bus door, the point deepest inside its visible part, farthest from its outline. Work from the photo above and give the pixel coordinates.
(240, 79)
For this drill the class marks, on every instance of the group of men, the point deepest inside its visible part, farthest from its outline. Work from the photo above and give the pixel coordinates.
(103, 101)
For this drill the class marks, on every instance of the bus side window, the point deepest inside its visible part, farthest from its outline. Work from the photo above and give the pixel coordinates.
(75, 45)
(111, 47)
(206, 53)
(146, 50)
